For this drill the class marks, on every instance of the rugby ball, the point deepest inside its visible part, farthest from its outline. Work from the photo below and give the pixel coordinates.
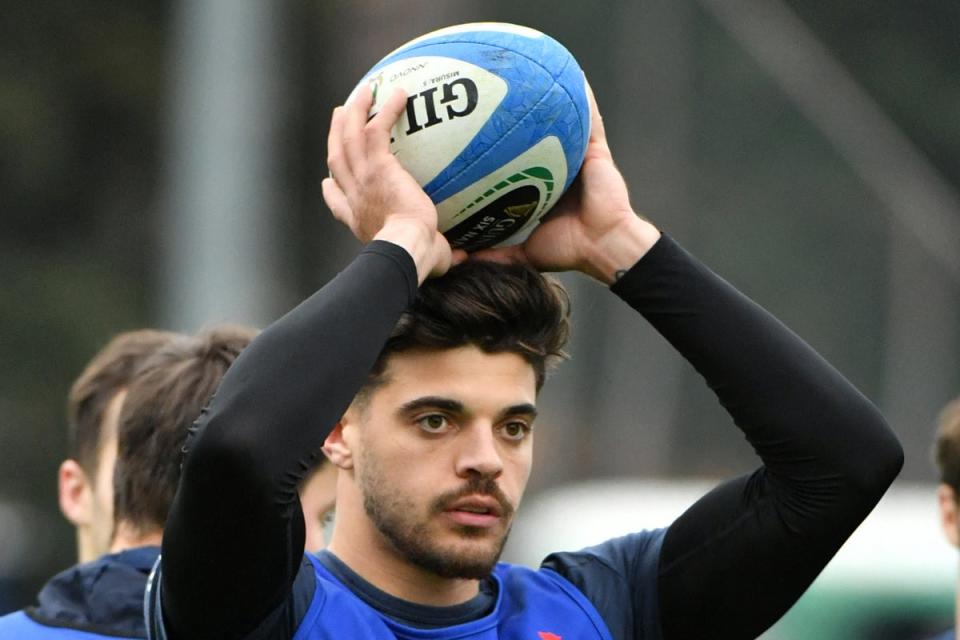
(495, 128)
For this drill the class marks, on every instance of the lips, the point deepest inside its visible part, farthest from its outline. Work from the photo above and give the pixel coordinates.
(475, 511)
(486, 505)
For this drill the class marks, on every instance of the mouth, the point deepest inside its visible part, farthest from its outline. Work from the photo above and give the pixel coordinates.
(475, 511)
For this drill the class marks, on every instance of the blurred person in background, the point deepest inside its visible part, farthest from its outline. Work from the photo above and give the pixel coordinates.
(946, 455)
(428, 375)
(149, 388)
(85, 479)
(318, 495)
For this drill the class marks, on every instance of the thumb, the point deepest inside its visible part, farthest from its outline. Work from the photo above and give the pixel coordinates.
(597, 132)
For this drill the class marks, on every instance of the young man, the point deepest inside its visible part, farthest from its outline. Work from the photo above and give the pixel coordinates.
(85, 479)
(150, 418)
(424, 393)
(946, 454)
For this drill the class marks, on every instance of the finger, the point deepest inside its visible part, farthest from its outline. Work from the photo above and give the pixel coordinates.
(441, 249)
(337, 202)
(336, 162)
(597, 132)
(458, 256)
(355, 119)
(505, 255)
(381, 125)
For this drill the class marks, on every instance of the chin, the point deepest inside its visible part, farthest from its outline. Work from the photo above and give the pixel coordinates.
(473, 555)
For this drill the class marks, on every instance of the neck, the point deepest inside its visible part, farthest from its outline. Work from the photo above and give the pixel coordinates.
(130, 537)
(85, 547)
(361, 546)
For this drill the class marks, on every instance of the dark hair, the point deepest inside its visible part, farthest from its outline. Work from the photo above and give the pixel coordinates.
(496, 307)
(946, 449)
(109, 372)
(166, 397)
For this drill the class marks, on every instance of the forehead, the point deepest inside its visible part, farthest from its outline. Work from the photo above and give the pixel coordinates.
(463, 373)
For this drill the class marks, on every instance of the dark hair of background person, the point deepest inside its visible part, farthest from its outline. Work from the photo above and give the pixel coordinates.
(169, 393)
(109, 372)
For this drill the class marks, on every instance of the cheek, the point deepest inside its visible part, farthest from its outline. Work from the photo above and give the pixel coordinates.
(396, 467)
(517, 468)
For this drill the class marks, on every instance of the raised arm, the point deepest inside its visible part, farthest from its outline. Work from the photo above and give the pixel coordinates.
(739, 558)
(233, 543)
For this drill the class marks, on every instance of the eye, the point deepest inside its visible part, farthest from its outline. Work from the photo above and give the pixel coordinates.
(433, 423)
(515, 430)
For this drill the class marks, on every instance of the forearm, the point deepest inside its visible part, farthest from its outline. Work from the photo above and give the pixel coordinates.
(794, 408)
(234, 539)
(611, 254)
(737, 559)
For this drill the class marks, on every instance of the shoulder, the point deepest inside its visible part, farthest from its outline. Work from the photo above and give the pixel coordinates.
(102, 598)
(21, 626)
(14, 621)
(624, 556)
(619, 578)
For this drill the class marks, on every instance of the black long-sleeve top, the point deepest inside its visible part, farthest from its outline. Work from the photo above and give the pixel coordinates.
(730, 566)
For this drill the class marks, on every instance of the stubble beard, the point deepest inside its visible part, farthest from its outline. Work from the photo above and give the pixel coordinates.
(395, 516)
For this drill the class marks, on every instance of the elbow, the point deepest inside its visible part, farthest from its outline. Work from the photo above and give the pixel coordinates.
(891, 462)
(876, 459)
(218, 456)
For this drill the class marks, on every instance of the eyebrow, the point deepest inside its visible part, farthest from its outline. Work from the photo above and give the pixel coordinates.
(457, 407)
(432, 402)
(525, 409)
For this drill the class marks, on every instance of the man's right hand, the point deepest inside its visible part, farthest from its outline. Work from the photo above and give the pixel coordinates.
(371, 193)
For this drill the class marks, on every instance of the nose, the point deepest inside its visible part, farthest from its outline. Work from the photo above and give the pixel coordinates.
(479, 453)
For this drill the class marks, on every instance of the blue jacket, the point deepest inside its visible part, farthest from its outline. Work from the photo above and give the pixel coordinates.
(100, 599)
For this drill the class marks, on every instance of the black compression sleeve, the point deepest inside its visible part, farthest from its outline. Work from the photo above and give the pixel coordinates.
(234, 538)
(740, 557)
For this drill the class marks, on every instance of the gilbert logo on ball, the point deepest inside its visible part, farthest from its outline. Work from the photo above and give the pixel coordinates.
(495, 129)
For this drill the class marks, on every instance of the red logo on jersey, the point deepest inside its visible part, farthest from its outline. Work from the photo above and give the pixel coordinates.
(546, 635)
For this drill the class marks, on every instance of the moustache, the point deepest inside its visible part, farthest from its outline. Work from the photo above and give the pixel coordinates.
(482, 486)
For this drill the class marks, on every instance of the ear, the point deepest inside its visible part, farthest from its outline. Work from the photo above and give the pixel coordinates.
(75, 493)
(947, 498)
(337, 446)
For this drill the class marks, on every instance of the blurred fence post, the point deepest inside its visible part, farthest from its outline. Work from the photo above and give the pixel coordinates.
(630, 379)
(219, 242)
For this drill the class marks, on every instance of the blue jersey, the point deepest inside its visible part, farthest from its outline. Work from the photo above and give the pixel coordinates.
(606, 592)
(20, 626)
(539, 605)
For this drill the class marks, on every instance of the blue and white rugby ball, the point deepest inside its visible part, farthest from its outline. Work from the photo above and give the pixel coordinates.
(495, 129)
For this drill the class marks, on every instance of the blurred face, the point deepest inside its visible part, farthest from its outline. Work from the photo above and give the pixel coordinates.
(949, 518)
(318, 498)
(442, 455)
